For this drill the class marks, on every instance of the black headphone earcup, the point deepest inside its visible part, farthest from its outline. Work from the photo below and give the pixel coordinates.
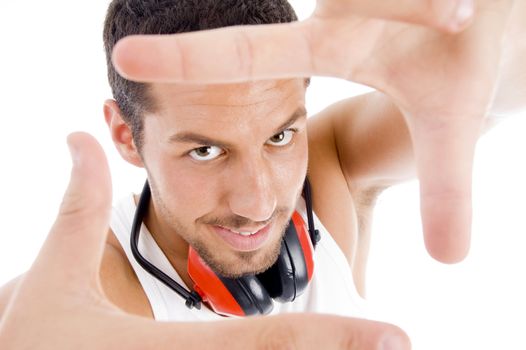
(289, 276)
(250, 294)
(243, 296)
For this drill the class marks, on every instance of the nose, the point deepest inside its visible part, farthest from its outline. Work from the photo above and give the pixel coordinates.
(251, 191)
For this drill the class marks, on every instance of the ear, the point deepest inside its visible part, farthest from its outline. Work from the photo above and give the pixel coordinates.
(121, 134)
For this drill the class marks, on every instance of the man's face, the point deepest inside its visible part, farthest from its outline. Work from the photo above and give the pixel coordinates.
(226, 165)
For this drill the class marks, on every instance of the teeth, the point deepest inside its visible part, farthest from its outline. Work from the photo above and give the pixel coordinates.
(245, 233)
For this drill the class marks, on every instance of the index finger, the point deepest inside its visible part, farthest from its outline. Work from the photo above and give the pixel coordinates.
(273, 51)
(230, 54)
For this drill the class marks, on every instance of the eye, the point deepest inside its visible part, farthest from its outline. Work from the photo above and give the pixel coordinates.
(282, 139)
(205, 153)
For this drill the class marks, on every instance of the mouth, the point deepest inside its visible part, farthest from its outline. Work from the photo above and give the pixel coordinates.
(244, 240)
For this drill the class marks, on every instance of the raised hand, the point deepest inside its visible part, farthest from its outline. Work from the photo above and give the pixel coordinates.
(443, 83)
(335, 41)
(59, 304)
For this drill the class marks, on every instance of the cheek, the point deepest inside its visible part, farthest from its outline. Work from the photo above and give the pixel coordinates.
(187, 193)
(291, 169)
(191, 192)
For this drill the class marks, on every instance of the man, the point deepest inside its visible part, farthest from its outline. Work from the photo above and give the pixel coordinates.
(226, 165)
(160, 162)
(444, 112)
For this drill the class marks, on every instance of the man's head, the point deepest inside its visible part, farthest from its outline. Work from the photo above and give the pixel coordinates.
(220, 159)
(130, 17)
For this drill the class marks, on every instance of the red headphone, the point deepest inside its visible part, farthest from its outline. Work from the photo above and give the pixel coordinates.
(247, 295)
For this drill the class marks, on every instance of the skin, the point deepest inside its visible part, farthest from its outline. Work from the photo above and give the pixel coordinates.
(60, 303)
(251, 180)
(415, 132)
(444, 112)
(65, 280)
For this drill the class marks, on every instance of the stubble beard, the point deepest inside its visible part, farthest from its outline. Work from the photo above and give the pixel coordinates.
(243, 263)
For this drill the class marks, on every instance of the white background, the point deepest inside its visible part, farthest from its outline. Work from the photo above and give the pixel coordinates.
(53, 81)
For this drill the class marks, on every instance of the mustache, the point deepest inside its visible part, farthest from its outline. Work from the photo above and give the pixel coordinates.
(236, 221)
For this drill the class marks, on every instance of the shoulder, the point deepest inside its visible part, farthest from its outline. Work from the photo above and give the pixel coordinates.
(343, 201)
(357, 147)
(119, 281)
(332, 190)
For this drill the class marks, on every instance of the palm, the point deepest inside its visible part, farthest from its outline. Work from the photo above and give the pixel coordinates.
(392, 56)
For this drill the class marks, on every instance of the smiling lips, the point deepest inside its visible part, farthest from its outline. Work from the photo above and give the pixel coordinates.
(244, 241)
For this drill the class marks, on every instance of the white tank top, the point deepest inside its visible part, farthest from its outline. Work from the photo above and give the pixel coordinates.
(331, 289)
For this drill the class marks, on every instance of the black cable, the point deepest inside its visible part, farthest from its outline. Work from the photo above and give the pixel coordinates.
(192, 298)
(314, 234)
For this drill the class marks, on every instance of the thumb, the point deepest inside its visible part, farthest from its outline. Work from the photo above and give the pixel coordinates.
(286, 331)
(75, 243)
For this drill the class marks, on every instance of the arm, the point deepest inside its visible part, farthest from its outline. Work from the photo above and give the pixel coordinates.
(373, 142)
(357, 148)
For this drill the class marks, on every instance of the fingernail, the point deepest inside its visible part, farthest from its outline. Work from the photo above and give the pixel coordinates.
(463, 14)
(394, 342)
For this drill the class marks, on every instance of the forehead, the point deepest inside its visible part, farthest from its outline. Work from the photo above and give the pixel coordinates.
(234, 94)
(216, 103)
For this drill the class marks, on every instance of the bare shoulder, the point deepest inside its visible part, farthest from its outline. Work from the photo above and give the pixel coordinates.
(332, 198)
(343, 205)
(119, 281)
(6, 292)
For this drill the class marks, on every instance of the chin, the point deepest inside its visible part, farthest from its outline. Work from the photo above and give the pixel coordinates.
(230, 263)
(242, 263)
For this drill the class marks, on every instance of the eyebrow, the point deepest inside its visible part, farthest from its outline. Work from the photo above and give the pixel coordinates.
(192, 137)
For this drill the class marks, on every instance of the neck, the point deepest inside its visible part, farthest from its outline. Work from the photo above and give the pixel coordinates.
(173, 246)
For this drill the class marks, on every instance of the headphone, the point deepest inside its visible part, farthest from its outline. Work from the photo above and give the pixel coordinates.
(249, 294)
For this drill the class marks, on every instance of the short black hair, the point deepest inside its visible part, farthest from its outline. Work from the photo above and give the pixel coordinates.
(130, 17)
